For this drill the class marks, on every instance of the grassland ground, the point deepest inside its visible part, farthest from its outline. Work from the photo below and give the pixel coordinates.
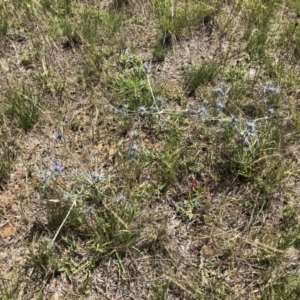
(149, 149)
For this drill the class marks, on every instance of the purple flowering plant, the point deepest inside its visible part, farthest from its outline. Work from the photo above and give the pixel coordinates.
(58, 167)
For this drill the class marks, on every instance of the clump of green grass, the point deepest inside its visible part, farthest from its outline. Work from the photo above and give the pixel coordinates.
(118, 4)
(159, 52)
(10, 288)
(6, 162)
(22, 105)
(257, 36)
(62, 7)
(199, 75)
(87, 27)
(178, 17)
(3, 25)
(44, 259)
(247, 160)
(160, 289)
(89, 213)
(247, 145)
(92, 67)
(171, 166)
(130, 83)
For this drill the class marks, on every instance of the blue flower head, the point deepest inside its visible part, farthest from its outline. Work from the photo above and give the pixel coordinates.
(250, 132)
(220, 106)
(142, 110)
(221, 90)
(57, 167)
(118, 111)
(121, 198)
(202, 111)
(146, 68)
(159, 100)
(270, 89)
(133, 149)
(96, 176)
(58, 136)
(251, 127)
